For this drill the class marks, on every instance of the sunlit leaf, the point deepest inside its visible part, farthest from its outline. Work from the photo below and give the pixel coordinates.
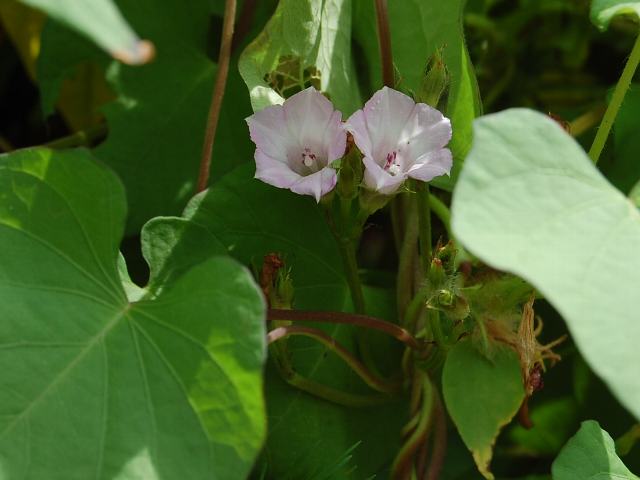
(530, 202)
(96, 384)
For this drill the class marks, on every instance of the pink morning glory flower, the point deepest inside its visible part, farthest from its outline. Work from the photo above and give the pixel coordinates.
(400, 139)
(296, 142)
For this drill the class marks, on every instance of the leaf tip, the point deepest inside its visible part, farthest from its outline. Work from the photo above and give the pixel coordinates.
(142, 52)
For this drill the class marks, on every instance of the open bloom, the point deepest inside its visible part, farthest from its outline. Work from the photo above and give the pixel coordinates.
(399, 139)
(296, 142)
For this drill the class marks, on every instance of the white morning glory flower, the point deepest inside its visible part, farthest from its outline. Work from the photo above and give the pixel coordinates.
(399, 139)
(296, 142)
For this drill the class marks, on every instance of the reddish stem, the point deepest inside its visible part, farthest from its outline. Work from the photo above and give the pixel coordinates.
(369, 378)
(366, 321)
(384, 40)
(218, 93)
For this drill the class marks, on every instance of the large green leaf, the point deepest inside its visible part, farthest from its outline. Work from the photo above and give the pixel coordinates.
(418, 28)
(590, 455)
(314, 33)
(482, 396)
(603, 11)
(530, 202)
(251, 219)
(157, 123)
(96, 385)
(102, 22)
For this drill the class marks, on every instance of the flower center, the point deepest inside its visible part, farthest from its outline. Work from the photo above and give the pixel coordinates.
(308, 158)
(392, 165)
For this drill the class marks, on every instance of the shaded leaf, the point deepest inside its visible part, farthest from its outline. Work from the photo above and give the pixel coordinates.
(157, 123)
(251, 219)
(590, 455)
(531, 202)
(94, 384)
(482, 395)
(622, 168)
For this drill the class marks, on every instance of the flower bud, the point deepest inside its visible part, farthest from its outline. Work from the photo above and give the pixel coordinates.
(435, 84)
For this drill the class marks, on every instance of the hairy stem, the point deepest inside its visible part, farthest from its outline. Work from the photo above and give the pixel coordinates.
(348, 253)
(367, 376)
(384, 41)
(616, 101)
(218, 93)
(403, 464)
(366, 321)
(424, 220)
(439, 440)
(408, 252)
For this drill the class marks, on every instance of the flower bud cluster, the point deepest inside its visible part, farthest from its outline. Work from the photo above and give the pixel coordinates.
(298, 142)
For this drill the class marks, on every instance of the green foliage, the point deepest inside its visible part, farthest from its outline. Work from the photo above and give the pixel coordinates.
(99, 385)
(470, 383)
(603, 11)
(590, 454)
(109, 374)
(531, 202)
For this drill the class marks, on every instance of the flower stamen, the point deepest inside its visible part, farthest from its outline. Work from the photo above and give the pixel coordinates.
(308, 157)
(392, 166)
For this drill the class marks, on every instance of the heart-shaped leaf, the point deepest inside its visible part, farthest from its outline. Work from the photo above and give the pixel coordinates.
(530, 202)
(250, 219)
(93, 384)
(482, 395)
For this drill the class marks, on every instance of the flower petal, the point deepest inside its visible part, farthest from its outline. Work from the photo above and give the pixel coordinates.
(274, 172)
(308, 114)
(377, 179)
(386, 114)
(317, 184)
(356, 125)
(268, 130)
(335, 138)
(431, 165)
(426, 130)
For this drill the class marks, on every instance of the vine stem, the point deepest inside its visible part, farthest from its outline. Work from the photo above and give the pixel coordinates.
(348, 253)
(616, 101)
(366, 321)
(218, 93)
(424, 220)
(384, 40)
(366, 375)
